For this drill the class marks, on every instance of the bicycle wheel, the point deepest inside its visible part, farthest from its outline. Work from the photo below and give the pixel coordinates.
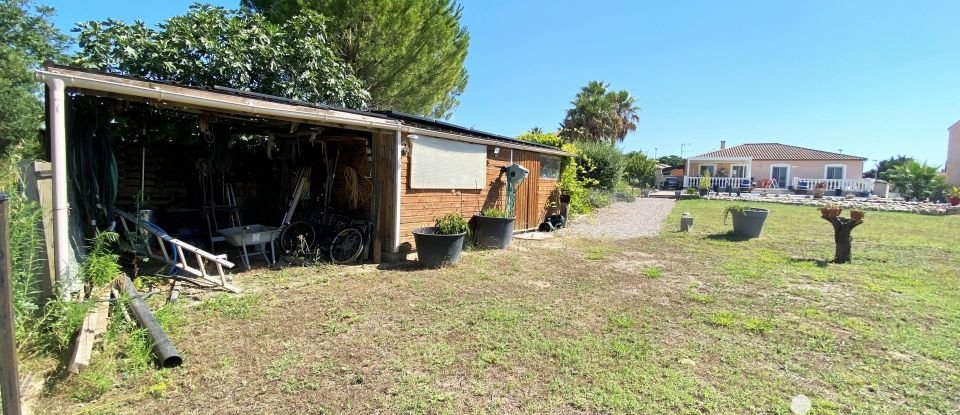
(346, 246)
(297, 236)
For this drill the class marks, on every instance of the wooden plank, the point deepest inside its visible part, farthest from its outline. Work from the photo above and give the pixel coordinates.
(174, 292)
(94, 326)
(38, 186)
(9, 379)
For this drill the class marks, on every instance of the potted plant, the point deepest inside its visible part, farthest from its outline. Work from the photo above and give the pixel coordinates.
(747, 221)
(818, 190)
(954, 196)
(856, 214)
(704, 185)
(442, 243)
(493, 228)
(830, 211)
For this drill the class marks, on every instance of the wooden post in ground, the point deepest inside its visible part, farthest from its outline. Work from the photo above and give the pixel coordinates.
(842, 227)
(9, 378)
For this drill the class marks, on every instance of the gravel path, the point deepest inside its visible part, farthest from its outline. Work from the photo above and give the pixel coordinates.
(623, 220)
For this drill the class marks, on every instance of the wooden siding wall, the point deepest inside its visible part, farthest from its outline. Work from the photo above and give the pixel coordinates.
(384, 151)
(420, 207)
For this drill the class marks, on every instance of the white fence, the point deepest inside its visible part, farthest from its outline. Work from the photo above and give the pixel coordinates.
(798, 183)
(853, 185)
(721, 182)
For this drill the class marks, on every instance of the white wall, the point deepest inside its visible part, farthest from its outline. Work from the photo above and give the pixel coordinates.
(953, 154)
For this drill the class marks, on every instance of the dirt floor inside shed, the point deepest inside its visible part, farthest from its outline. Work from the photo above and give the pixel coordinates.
(675, 323)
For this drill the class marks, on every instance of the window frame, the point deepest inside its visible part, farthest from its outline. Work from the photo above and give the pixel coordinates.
(559, 162)
(788, 177)
(842, 167)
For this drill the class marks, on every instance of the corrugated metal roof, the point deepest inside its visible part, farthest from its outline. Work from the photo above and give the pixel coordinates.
(776, 151)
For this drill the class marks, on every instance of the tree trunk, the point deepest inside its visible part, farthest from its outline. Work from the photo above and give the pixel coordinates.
(842, 227)
(843, 240)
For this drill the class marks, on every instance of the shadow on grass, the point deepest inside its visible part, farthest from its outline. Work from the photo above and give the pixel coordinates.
(818, 262)
(727, 236)
(404, 265)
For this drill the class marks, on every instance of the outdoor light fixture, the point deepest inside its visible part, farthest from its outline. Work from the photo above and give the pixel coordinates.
(496, 151)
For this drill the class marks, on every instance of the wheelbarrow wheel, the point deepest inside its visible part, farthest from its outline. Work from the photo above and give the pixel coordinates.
(297, 236)
(346, 246)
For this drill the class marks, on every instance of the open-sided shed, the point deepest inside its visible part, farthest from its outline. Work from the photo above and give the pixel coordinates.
(178, 151)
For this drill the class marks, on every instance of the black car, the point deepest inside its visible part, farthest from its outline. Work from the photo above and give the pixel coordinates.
(670, 183)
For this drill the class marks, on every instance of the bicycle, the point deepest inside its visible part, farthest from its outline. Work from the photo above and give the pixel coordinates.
(341, 238)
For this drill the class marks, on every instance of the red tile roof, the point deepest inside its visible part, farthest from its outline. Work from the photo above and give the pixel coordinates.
(775, 151)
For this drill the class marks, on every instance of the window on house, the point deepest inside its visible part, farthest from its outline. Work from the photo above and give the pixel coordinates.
(836, 172)
(447, 164)
(739, 171)
(708, 168)
(549, 167)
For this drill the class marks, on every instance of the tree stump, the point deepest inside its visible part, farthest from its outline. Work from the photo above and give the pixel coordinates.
(841, 236)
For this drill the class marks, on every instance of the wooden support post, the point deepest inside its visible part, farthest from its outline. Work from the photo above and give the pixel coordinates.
(842, 227)
(9, 378)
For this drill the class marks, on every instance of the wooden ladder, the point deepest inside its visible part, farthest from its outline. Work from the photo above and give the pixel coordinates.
(180, 258)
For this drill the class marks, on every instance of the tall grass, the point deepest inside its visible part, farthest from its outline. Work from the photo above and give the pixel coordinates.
(26, 243)
(43, 325)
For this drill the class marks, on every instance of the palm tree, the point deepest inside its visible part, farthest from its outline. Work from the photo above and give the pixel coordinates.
(627, 117)
(600, 115)
(917, 180)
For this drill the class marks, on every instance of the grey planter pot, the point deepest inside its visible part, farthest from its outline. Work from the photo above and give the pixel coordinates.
(496, 233)
(749, 223)
(434, 250)
(703, 192)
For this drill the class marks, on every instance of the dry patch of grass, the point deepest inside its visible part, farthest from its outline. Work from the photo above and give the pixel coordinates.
(678, 323)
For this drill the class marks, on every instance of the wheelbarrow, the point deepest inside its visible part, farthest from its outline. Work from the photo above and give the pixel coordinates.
(252, 235)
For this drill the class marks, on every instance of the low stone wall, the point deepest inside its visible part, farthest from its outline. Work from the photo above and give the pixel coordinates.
(883, 205)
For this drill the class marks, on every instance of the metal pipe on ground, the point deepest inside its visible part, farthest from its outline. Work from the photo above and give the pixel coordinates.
(163, 348)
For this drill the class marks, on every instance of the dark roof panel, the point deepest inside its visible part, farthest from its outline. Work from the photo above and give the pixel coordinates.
(442, 126)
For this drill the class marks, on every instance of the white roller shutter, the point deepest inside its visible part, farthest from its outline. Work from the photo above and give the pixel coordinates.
(446, 164)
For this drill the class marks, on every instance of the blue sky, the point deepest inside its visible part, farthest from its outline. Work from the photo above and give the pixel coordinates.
(872, 78)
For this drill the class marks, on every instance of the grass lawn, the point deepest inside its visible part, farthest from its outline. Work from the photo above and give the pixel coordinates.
(678, 323)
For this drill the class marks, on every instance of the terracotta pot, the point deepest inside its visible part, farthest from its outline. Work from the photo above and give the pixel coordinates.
(830, 212)
(856, 214)
(954, 201)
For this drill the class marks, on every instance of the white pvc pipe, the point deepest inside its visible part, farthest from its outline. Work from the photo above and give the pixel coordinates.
(398, 148)
(58, 146)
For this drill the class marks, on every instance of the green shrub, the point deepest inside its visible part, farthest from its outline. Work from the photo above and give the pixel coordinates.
(639, 169)
(731, 209)
(704, 181)
(597, 198)
(603, 165)
(492, 212)
(623, 192)
(451, 224)
(101, 267)
(569, 182)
